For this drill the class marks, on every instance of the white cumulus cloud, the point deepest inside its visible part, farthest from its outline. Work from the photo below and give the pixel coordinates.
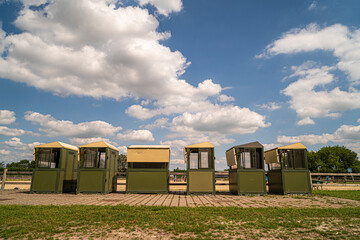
(14, 131)
(7, 117)
(136, 135)
(53, 127)
(164, 7)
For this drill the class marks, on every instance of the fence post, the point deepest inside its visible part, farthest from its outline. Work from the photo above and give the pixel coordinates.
(3, 179)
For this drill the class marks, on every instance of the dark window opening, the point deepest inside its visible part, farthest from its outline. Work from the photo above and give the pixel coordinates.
(293, 159)
(155, 165)
(48, 157)
(94, 158)
(250, 158)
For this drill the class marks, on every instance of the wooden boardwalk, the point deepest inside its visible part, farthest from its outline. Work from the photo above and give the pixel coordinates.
(174, 199)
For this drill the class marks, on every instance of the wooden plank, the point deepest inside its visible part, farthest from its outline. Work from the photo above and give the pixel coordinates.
(175, 201)
(182, 201)
(190, 201)
(168, 200)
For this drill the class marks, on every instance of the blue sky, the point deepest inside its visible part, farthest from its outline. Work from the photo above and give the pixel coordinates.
(179, 72)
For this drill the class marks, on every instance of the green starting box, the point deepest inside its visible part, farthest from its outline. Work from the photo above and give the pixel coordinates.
(200, 163)
(288, 170)
(98, 168)
(246, 173)
(56, 168)
(148, 169)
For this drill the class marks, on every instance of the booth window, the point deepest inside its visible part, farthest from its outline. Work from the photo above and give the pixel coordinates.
(199, 159)
(48, 158)
(94, 158)
(294, 159)
(249, 158)
(149, 165)
(194, 160)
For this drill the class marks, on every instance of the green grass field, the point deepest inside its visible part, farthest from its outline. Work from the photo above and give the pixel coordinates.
(203, 222)
(347, 194)
(19, 221)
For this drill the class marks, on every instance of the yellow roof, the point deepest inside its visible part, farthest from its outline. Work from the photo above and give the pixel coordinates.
(201, 145)
(100, 144)
(293, 146)
(57, 145)
(149, 146)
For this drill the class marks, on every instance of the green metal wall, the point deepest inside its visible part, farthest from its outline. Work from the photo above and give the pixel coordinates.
(99, 180)
(251, 181)
(56, 180)
(289, 182)
(201, 181)
(297, 182)
(147, 181)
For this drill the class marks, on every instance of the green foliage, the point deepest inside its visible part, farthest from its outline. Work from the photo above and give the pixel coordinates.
(122, 163)
(179, 170)
(22, 165)
(333, 159)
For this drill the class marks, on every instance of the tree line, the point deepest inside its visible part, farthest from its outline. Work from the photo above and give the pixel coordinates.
(336, 159)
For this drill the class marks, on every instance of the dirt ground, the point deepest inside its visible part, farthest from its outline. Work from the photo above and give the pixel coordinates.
(175, 199)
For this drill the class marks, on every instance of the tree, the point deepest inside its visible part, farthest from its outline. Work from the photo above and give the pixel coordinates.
(122, 163)
(21, 165)
(333, 159)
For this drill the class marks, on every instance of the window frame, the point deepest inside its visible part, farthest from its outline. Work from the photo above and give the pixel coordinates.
(98, 158)
(52, 151)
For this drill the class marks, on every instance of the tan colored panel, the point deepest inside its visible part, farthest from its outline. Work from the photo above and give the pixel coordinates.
(100, 144)
(57, 145)
(201, 145)
(231, 157)
(271, 156)
(293, 146)
(148, 155)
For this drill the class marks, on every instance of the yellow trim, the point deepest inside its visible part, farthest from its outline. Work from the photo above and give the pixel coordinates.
(148, 154)
(57, 144)
(201, 145)
(100, 144)
(293, 146)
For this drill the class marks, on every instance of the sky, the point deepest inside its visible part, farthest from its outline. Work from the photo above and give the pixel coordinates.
(179, 72)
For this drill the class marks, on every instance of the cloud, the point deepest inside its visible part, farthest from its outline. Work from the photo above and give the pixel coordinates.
(338, 39)
(92, 48)
(54, 128)
(7, 117)
(310, 98)
(271, 146)
(16, 144)
(305, 121)
(346, 134)
(159, 123)
(312, 6)
(14, 131)
(225, 98)
(5, 152)
(164, 7)
(271, 106)
(179, 99)
(82, 141)
(220, 119)
(136, 135)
